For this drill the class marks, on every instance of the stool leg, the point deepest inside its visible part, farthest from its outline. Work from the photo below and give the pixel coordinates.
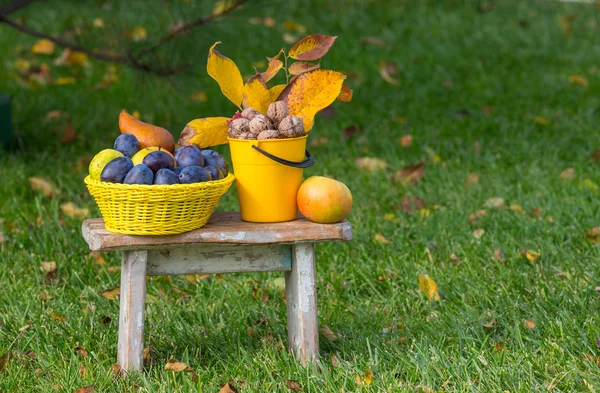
(132, 307)
(301, 300)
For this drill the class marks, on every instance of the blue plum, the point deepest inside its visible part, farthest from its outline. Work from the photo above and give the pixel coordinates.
(188, 156)
(193, 174)
(116, 170)
(177, 170)
(139, 174)
(166, 176)
(158, 160)
(215, 173)
(212, 158)
(127, 144)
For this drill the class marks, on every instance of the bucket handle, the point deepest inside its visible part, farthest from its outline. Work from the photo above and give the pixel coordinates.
(308, 161)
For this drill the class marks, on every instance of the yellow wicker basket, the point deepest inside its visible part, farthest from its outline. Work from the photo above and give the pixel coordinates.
(136, 209)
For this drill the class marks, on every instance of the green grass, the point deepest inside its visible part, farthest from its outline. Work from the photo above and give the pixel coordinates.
(514, 58)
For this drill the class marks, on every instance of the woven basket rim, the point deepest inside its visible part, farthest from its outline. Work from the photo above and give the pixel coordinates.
(162, 187)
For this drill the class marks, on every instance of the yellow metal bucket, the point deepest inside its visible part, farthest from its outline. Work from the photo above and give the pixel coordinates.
(268, 175)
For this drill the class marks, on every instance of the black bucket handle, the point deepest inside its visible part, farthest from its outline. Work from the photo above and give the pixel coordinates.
(308, 161)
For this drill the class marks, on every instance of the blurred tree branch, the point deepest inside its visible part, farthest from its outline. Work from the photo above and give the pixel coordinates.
(129, 58)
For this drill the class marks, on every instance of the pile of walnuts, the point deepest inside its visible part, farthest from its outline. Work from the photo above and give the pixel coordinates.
(278, 124)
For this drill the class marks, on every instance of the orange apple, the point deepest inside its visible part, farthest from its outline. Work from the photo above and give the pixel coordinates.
(324, 200)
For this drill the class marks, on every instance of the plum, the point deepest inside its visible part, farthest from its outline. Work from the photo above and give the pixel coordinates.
(127, 144)
(177, 170)
(212, 158)
(158, 160)
(188, 156)
(166, 176)
(116, 170)
(193, 174)
(139, 174)
(215, 173)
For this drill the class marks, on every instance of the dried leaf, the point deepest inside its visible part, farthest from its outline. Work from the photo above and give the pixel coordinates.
(81, 351)
(57, 317)
(252, 333)
(494, 202)
(69, 134)
(99, 23)
(176, 366)
(328, 333)
(486, 109)
(311, 92)
(226, 73)
(566, 24)
(275, 91)
(368, 377)
(488, 326)
(256, 95)
(428, 287)
(139, 34)
(82, 370)
(43, 47)
(531, 255)
(568, 174)
(4, 360)
(411, 203)
(207, 132)
(387, 71)
(272, 69)
(375, 41)
(300, 67)
(48, 266)
(43, 185)
(529, 324)
(410, 173)
(97, 257)
(293, 385)
(73, 211)
(312, 47)
(86, 389)
(371, 164)
(44, 296)
(228, 388)
(111, 294)
(72, 58)
(345, 94)
(67, 80)
(593, 234)
(350, 130)
(379, 238)
(579, 80)
(472, 178)
(596, 155)
(406, 140)
(478, 233)
(424, 389)
(541, 120)
(199, 96)
(499, 255)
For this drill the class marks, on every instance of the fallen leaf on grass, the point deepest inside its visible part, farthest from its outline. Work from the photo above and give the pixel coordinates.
(579, 80)
(57, 317)
(487, 327)
(81, 351)
(350, 131)
(410, 173)
(406, 140)
(44, 296)
(517, 208)
(568, 174)
(541, 120)
(111, 294)
(97, 257)
(371, 164)
(319, 141)
(529, 324)
(566, 23)
(139, 34)
(228, 388)
(596, 155)
(98, 22)
(73, 211)
(293, 385)
(86, 389)
(379, 238)
(252, 333)
(4, 360)
(478, 233)
(486, 109)
(472, 178)
(289, 38)
(176, 366)
(494, 202)
(375, 41)
(531, 255)
(82, 370)
(48, 266)
(388, 70)
(428, 287)
(499, 255)
(44, 186)
(424, 389)
(71, 58)
(69, 134)
(477, 215)
(325, 331)
(592, 359)
(411, 203)
(43, 47)
(593, 234)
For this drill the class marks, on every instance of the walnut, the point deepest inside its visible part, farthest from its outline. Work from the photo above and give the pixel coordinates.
(250, 113)
(291, 127)
(239, 125)
(260, 123)
(269, 134)
(277, 111)
(247, 135)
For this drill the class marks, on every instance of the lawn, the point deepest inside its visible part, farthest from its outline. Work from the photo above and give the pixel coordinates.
(498, 103)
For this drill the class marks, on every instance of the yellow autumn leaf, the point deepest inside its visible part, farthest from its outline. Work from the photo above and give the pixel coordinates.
(139, 34)
(71, 57)
(99, 23)
(579, 80)
(273, 68)
(368, 377)
(256, 95)
(43, 47)
(73, 211)
(311, 92)
(300, 67)
(531, 255)
(541, 120)
(65, 80)
(207, 132)
(176, 366)
(275, 91)
(379, 238)
(226, 73)
(345, 94)
(312, 47)
(44, 186)
(111, 294)
(371, 164)
(429, 287)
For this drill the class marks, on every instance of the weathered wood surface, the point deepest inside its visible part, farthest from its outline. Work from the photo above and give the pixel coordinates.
(222, 228)
(301, 301)
(214, 258)
(131, 310)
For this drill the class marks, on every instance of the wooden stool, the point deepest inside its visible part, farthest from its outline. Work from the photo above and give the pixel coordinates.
(225, 245)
